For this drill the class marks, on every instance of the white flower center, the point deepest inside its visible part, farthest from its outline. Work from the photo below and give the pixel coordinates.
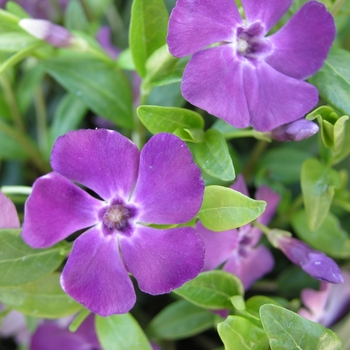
(242, 45)
(116, 216)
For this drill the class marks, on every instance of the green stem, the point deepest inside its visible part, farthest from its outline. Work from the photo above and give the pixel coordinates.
(258, 150)
(262, 227)
(41, 125)
(28, 145)
(24, 190)
(337, 6)
(12, 103)
(139, 134)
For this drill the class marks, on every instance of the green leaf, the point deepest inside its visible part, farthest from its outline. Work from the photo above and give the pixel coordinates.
(15, 41)
(333, 80)
(237, 332)
(102, 87)
(75, 17)
(317, 184)
(148, 29)
(21, 264)
(44, 298)
(213, 157)
(10, 148)
(328, 237)
(190, 135)
(224, 209)
(287, 330)
(169, 119)
(121, 332)
(211, 289)
(179, 320)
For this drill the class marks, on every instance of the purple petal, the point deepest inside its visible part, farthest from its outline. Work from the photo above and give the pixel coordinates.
(104, 38)
(274, 98)
(302, 45)
(218, 245)
(296, 131)
(272, 199)
(240, 185)
(95, 275)
(170, 188)
(55, 209)
(162, 260)
(268, 12)
(102, 160)
(8, 213)
(213, 81)
(251, 267)
(193, 25)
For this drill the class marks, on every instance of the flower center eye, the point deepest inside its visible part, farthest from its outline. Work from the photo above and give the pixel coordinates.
(242, 45)
(116, 217)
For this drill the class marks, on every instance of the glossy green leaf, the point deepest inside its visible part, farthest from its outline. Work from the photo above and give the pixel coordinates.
(211, 289)
(333, 80)
(181, 319)
(21, 264)
(14, 41)
(213, 157)
(148, 29)
(317, 183)
(44, 298)
(102, 87)
(121, 332)
(190, 135)
(287, 330)
(169, 119)
(224, 209)
(237, 332)
(328, 237)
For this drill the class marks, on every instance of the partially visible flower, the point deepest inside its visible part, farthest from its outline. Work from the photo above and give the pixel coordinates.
(8, 213)
(161, 185)
(104, 38)
(60, 338)
(53, 34)
(239, 74)
(327, 305)
(295, 131)
(316, 263)
(238, 249)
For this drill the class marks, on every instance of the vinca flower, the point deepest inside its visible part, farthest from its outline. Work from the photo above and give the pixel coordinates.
(8, 213)
(159, 185)
(238, 249)
(241, 73)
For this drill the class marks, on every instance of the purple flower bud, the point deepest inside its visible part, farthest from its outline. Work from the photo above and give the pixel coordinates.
(317, 264)
(53, 34)
(296, 131)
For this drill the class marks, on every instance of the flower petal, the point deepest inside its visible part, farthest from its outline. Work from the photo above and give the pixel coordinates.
(193, 25)
(170, 188)
(250, 268)
(162, 260)
(55, 209)
(218, 245)
(95, 275)
(103, 160)
(213, 81)
(8, 213)
(274, 98)
(302, 45)
(267, 11)
(272, 199)
(240, 185)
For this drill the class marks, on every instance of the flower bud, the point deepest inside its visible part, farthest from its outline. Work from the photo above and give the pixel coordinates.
(296, 131)
(53, 34)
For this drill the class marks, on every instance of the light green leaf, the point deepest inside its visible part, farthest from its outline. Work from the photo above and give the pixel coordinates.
(190, 135)
(15, 41)
(148, 29)
(317, 184)
(213, 157)
(169, 119)
(211, 289)
(102, 87)
(237, 332)
(333, 80)
(224, 209)
(328, 237)
(44, 298)
(287, 330)
(121, 332)
(181, 319)
(21, 264)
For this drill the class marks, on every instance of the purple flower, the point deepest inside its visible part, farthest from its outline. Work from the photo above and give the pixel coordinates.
(104, 38)
(160, 185)
(317, 264)
(239, 249)
(238, 74)
(8, 213)
(295, 131)
(327, 305)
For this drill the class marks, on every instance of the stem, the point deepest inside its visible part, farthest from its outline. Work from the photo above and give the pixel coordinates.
(259, 149)
(285, 217)
(337, 6)
(12, 103)
(41, 125)
(262, 227)
(139, 134)
(25, 190)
